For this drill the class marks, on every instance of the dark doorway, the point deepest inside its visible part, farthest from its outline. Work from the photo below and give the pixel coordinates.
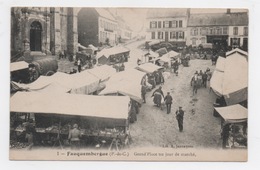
(36, 36)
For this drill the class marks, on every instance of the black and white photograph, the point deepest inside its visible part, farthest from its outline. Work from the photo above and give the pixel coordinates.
(131, 84)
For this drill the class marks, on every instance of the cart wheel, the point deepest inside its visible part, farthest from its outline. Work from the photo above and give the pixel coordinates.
(49, 73)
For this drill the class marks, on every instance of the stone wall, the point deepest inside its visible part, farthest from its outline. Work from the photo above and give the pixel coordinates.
(59, 29)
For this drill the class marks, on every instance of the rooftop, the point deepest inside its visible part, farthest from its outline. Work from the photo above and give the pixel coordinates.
(166, 12)
(212, 19)
(105, 13)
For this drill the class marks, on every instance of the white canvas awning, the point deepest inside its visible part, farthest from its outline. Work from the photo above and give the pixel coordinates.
(233, 114)
(216, 82)
(54, 87)
(102, 72)
(148, 67)
(18, 66)
(112, 51)
(165, 58)
(236, 50)
(152, 54)
(220, 66)
(127, 83)
(79, 83)
(173, 54)
(115, 107)
(233, 82)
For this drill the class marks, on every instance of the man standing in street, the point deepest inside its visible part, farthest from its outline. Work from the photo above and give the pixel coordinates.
(143, 91)
(204, 79)
(179, 117)
(168, 102)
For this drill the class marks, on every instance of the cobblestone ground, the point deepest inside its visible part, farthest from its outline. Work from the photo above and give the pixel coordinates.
(201, 129)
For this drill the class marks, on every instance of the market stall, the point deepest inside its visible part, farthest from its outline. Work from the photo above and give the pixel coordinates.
(162, 51)
(114, 55)
(19, 72)
(103, 73)
(149, 68)
(232, 82)
(81, 83)
(150, 56)
(234, 125)
(154, 73)
(104, 117)
(166, 59)
(126, 83)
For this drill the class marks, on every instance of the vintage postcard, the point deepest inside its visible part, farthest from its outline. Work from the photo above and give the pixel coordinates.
(132, 84)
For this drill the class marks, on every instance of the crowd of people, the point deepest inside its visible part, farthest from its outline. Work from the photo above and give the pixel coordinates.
(200, 79)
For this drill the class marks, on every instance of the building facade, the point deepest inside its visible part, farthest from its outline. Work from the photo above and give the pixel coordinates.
(124, 32)
(223, 29)
(43, 30)
(167, 25)
(96, 26)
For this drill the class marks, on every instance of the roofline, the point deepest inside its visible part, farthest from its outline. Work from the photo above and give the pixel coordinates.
(214, 25)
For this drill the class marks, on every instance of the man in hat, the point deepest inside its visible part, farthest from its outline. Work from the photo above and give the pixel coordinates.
(168, 102)
(74, 137)
(179, 117)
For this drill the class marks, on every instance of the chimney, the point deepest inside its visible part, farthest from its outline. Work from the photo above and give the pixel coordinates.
(228, 11)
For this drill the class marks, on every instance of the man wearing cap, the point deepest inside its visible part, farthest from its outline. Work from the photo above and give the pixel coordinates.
(179, 117)
(168, 102)
(74, 137)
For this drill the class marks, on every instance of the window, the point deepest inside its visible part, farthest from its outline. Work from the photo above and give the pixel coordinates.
(174, 24)
(153, 24)
(181, 35)
(194, 31)
(203, 31)
(180, 23)
(225, 30)
(159, 24)
(172, 35)
(170, 24)
(153, 35)
(219, 31)
(160, 35)
(191, 32)
(166, 24)
(246, 31)
(235, 31)
(203, 40)
(211, 31)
